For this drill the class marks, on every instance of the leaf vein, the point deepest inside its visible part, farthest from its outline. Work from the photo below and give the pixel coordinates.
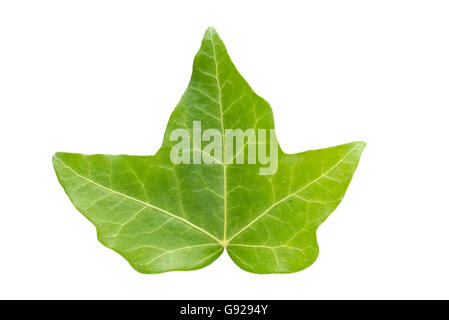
(141, 202)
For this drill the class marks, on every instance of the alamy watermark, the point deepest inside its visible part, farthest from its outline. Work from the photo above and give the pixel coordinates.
(190, 150)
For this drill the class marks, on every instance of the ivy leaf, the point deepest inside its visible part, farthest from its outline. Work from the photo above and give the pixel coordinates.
(162, 216)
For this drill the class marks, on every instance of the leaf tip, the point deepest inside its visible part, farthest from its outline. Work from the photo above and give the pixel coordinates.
(56, 156)
(210, 33)
(57, 159)
(361, 145)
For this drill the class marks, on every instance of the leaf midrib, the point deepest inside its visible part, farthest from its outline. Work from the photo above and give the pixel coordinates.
(220, 104)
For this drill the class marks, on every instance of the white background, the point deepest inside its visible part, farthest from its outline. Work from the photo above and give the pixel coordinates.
(104, 76)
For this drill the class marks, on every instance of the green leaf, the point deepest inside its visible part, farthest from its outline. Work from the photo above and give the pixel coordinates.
(162, 216)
